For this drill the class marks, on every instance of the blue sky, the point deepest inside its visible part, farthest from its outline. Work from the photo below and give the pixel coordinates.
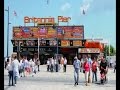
(99, 20)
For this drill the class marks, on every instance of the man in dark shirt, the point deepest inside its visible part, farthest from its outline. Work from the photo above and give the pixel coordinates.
(103, 68)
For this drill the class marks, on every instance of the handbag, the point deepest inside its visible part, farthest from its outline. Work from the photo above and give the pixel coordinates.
(83, 71)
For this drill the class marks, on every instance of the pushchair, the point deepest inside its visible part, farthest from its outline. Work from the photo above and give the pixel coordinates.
(103, 78)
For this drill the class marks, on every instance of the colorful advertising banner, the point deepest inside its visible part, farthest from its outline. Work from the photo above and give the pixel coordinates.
(88, 50)
(51, 33)
(48, 32)
(59, 32)
(34, 32)
(78, 32)
(17, 32)
(42, 31)
(65, 43)
(26, 32)
(77, 43)
(67, 31)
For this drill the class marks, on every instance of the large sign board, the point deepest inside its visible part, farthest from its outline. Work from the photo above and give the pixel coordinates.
(48, 32)
(88, 50)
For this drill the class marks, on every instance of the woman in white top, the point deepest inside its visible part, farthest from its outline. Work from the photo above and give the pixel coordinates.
(32, 66)
(10, 71)
(26, 66)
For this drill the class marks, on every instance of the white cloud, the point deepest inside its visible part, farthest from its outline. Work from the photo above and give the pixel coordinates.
(65, 7)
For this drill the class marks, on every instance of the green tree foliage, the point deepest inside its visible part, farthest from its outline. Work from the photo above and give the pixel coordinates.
(112, 50)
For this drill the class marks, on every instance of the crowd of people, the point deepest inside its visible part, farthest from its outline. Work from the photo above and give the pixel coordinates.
(87, 65)
(90, 68)
(53, 64)
(22, 68)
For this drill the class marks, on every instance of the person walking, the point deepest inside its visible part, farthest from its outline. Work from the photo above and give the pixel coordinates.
(15, 66)
(94, 69)
(90, 71)
(32, 66)
(114, 66)
(56, 64)
(103, 70)
(10, 71)
(25, 65)
(37, 62)
(86, 70)
(62, 63)
(76, 65)
(65, 64)
(52, 64)
(21, 68)
(48, 64)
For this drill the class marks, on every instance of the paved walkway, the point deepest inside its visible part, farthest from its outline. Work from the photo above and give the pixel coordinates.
(58, 81)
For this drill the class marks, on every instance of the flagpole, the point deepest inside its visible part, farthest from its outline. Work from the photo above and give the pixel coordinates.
(38, 46)
(109, 47)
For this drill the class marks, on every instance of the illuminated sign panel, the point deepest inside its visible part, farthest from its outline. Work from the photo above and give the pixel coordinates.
(65, 43)
(88, 50)
(77, 43)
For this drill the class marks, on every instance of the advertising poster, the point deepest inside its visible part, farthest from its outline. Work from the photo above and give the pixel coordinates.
(59, 32)
(17, 33)
(26, 33)
(53, 42)
(65, 43)
(77, 43)
(67, 32)
(88, 50)
(34, 32)
(42, 31)
(51, 33)
(78, 32)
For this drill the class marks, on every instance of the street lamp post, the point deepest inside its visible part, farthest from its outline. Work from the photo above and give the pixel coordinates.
(8, 31)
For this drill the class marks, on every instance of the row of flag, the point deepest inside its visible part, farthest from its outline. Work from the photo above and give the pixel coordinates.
(15, 14)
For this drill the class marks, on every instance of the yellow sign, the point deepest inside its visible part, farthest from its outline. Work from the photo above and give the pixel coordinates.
(65, 43)
(77, 43)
